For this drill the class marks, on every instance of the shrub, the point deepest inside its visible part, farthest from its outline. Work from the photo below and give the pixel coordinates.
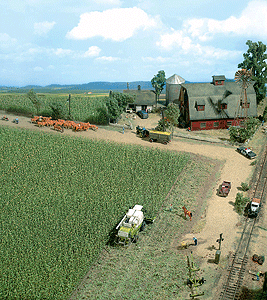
(241, 134)
(240, 202)
(58, 110)
(245, 187)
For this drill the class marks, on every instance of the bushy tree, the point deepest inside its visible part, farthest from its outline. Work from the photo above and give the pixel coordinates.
(241, 134)
(255, 59)
(35, 100)
(240, 202)
(116, 104)
(158, 83)
(59, 110)
(169, 117)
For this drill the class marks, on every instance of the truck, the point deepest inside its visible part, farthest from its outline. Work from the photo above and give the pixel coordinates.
(154, 135)
(253, 207)
(224, 189)
(131, 224)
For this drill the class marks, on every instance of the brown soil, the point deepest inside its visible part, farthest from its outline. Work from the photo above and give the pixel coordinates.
(219, 216)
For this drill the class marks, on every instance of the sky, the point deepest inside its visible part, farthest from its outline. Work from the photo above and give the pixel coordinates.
(46, 42)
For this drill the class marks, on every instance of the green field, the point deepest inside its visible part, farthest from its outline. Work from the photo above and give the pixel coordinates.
(83, 108)
(60, 198)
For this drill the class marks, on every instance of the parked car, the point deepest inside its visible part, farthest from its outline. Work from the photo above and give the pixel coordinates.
(246, 151)
(142, 114)
(224, 189)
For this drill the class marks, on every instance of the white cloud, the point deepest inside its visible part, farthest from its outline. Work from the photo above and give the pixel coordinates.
(38, 69)
(110, 2)
(252, 22)
(62, 52)
(117, 24)
(108, 58)
(92, 51)
(158, 59)
(6, 41)
(43, 28)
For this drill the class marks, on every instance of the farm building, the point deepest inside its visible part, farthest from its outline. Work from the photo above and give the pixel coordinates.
(214, 105)
(144, 99)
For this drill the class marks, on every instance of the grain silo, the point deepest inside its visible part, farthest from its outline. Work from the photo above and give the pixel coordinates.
(173, 87)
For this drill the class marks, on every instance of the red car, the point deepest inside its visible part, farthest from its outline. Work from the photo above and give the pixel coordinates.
(224, 188)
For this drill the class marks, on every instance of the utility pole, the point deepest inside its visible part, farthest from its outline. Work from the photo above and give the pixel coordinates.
(69, 104)
(220, 241)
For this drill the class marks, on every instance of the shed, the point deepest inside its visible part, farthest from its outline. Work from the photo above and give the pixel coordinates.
(144, 99)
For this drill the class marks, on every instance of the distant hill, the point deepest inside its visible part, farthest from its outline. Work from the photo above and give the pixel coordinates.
(97, 86)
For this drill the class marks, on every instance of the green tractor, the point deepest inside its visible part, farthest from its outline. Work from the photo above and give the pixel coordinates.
(130, 226)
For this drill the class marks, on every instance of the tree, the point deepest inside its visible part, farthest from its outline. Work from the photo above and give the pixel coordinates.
(35, 100)
(158, 83)
(116, 104)
(59, 110)
(169, 117)
(241, 134)
(254, 59)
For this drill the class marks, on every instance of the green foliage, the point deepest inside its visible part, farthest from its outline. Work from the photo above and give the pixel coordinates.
(265, 114)
(241, 134)
(158, 83)
(245, 187)
(35, 100)
(172, 114)
(61, 196)
(255, 59)
(116, 104)
(240, 202)
(59, 110)
(113, 108)
(170, 117)
(83, 108)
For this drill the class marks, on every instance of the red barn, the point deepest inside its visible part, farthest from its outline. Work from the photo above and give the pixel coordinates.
(214, 105)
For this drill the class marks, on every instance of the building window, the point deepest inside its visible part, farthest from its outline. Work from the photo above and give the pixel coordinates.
(200, 107)
(224, 106)
(216, 124)
(229, 123)
(203, 125)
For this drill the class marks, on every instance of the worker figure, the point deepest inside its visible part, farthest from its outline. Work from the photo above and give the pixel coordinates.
(195, 240)
(258, 276)
(17, 121)
(123, 130)
(170, 207)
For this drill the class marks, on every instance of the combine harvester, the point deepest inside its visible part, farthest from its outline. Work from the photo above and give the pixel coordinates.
(130, 226)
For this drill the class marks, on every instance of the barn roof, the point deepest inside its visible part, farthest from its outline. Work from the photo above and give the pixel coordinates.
(142, 97)
(210, 95)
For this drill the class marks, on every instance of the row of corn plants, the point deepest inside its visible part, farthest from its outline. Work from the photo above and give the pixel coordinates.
(82, 108)
(60, 199)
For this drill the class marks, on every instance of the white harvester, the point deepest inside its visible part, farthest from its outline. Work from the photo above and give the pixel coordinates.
(130, 226)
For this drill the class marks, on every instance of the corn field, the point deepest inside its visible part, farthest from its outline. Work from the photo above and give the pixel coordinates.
(82, 108)
(60, 199)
